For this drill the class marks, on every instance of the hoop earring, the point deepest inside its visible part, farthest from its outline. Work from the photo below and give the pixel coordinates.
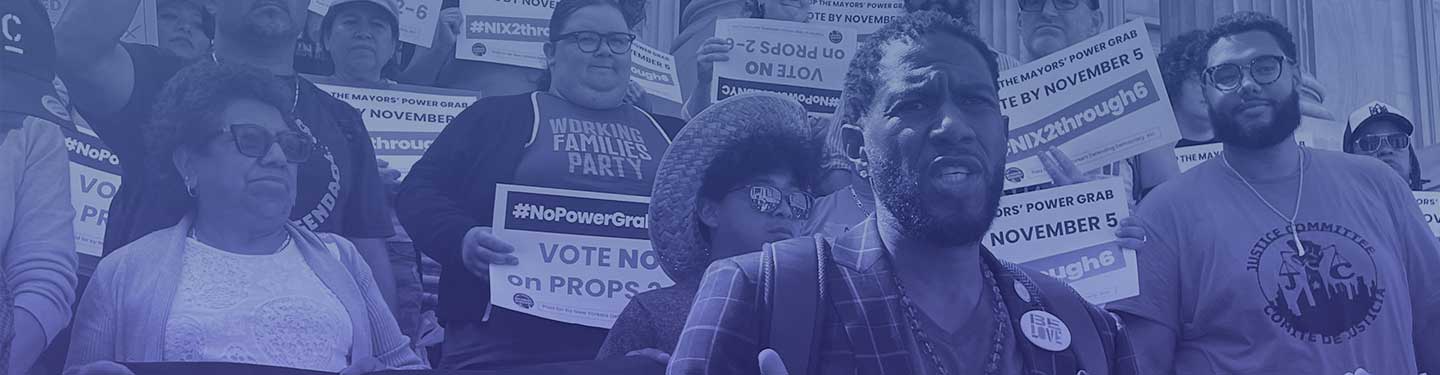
(189, 189)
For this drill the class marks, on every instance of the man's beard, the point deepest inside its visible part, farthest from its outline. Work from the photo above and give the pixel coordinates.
(1286, 120)
(900, 191)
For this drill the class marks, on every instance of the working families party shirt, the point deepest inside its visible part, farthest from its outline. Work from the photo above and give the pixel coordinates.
(1222, 270)
(339, 188)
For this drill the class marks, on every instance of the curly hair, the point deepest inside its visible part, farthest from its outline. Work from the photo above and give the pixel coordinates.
(188, 108)
(863, 77)
(761, 154)
(1177, 60)
(1243, 22)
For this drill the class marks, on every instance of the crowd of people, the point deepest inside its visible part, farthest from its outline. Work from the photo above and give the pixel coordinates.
(256, 225)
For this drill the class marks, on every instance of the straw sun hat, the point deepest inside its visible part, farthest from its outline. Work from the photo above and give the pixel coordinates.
(675, 230)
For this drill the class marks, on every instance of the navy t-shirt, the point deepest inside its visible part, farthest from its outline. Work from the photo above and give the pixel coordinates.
(339, 188)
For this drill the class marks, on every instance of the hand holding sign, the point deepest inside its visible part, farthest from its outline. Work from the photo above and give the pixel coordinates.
(712, 51)
(481, 248)
(1130, 235)
(449, 30)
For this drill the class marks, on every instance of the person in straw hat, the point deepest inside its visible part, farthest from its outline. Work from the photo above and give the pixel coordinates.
(738, 176)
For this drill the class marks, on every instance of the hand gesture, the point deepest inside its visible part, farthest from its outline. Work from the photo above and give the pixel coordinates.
(712, 51)
(452, 22)
(1130, 234)
(1061, 168)
(481, 248)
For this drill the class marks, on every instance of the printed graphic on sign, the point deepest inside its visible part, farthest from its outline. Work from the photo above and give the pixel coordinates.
(1068, 232)
(865, 16)
(655, 71)
(1329, 295)
(511, 32)
(1191, 156)
(1430, 206)
(402, 120)
(1099, 101)
(800, 60)
(144, 27)
(583, 255)
(94, 180)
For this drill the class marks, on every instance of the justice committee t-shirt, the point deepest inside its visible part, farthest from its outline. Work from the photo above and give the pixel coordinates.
(1223, 271)
(339, 189)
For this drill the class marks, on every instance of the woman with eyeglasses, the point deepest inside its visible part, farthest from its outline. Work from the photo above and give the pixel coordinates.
(577, 133)
(235, 280)
(737, 177)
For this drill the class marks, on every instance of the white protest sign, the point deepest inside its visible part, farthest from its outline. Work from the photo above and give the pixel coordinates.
(1430, 205)
(402, 120)
(1069, 232)
(94, 180)
(583, 255)
(511, 32)
(418, 19)
(655, 71)
(804, 61)
(144, 26)
(865, 16)
(1193, 155)
(1099, 101)
(320, 7)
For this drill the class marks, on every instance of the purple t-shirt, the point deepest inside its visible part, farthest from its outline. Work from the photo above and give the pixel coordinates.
(1221, 270)
(611, 151)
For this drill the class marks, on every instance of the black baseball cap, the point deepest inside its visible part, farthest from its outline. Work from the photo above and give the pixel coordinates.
(27, 62)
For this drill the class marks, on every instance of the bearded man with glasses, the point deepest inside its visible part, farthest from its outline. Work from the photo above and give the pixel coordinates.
(1275, 258)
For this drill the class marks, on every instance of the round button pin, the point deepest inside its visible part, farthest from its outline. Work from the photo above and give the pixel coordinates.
(1045, 330)
(1021, 292)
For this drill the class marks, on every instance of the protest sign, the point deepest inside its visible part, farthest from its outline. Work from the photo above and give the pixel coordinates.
(1430, 206)
(1068, 232)
(865, 16)
(804, 61)
(1099, 101)
(583, 255)
(1191, 156)
(511, 32)
(403, 120)
(144, 27)
(94, 180)
(655, 71)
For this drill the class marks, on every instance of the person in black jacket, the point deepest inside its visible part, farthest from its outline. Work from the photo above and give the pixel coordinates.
(546, 138)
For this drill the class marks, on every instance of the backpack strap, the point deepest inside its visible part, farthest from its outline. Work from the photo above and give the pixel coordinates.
(792, 290)
(1085, 340)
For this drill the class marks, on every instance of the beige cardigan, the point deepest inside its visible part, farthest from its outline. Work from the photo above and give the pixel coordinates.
(123, 312)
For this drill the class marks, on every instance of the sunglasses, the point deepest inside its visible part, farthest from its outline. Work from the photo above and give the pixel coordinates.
(1264, 70)
(589, 41)
(768, 199)
(1036, 6)
(254, 141)
(1371, 143)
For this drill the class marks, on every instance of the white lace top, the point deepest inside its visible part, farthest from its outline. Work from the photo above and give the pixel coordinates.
(259, 309)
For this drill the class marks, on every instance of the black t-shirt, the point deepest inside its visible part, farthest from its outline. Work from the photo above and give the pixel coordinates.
(339, 187)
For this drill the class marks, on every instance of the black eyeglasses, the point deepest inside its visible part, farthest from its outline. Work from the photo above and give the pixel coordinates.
(589, 41)
(254, 141)
(1036, 6)
(1371, 143)
(768, 199)
(1264, 70)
